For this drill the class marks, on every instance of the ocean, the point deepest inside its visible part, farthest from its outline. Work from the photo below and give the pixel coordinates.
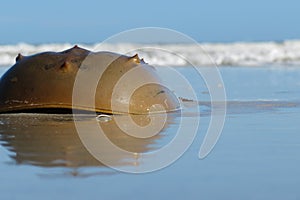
(256, 155)
(223, 54)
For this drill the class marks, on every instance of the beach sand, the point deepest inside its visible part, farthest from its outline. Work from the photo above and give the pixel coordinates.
(256, 157)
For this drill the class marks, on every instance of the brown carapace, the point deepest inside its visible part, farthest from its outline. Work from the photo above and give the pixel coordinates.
(47, 82)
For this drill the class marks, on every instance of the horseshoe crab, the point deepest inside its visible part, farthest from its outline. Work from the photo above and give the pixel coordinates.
(45, 82)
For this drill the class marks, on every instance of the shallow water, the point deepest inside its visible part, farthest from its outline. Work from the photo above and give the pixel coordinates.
(256, 157)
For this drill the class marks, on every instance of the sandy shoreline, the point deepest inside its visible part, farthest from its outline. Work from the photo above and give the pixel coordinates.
(259, 145)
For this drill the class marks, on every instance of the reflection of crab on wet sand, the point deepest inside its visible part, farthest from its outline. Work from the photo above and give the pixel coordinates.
(44, 83)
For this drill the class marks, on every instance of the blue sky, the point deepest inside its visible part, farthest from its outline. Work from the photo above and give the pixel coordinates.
(93, 21)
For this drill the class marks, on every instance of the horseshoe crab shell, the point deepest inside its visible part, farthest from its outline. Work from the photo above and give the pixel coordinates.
(45, 82)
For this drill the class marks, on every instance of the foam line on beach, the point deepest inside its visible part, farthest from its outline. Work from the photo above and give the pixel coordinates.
(222, 54)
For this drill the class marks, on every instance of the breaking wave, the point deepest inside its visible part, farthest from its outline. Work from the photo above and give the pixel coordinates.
(222, 54)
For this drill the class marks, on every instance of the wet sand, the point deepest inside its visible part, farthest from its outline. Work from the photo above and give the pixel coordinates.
(256, 157)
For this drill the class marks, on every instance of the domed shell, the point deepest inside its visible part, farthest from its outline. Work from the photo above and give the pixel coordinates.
(78, 79)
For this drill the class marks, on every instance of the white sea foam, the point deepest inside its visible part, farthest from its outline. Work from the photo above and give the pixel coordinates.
(230, 54)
